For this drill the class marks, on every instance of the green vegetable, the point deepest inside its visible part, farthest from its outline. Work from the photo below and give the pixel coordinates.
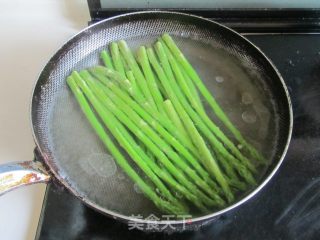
(124, 139)
(135, 87)
(106, 59)
(208, 160)
(115, 54)
(210, 99)
(98, 90)
(174, 117)
(145, 112)
(159, 148)
(96, 125)
(165, 58)
(130, 87)
(145, 65)
(115, 93)
(145, 86)
(151, 106)
(191, 87)
(218, 146)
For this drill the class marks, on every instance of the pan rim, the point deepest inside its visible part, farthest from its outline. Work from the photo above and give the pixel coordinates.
(203, 218)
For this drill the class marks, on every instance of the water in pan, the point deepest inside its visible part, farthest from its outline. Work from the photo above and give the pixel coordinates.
(89, 168)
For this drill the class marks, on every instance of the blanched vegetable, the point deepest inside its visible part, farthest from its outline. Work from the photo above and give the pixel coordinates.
(151, 105)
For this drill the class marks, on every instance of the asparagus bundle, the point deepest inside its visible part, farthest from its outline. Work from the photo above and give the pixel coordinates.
(151, 105)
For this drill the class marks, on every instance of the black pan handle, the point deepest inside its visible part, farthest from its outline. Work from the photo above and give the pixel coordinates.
(18, 174)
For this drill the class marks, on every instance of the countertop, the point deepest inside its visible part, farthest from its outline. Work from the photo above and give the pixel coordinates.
(31, 31)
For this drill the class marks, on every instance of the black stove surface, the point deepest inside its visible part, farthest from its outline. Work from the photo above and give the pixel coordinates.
(287, 208)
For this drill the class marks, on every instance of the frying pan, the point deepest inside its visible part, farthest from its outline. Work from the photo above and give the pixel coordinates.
(239, 75)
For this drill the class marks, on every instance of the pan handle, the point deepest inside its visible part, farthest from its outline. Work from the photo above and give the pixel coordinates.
(17, 174)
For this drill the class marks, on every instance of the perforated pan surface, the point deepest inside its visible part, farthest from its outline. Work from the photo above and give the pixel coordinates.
(241, 78)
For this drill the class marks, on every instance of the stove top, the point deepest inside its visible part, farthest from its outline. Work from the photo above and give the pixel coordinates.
(287, 208)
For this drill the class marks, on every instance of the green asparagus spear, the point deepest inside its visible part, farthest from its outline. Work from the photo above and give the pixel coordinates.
(206, 131)
(124, 83)
(141, 129)
(97, 90)
(165, 147)
(191, 86)
(96, 125)
(131, 78)
(115, 54)
(171, 67)
(120, 133)
(208, 160)
(174, 117)
(137, 91)
(146, 68)
(136, 130)
(122, 69)
(207, 95)
(145, 86)
(114, 93)
(164, 55)
(106, 59)
(133, 106)
(145, 112)
(133, 82)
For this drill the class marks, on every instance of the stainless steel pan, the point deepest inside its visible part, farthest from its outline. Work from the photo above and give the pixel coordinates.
(240, 76)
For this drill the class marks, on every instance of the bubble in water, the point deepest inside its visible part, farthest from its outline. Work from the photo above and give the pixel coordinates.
(103, 164)
(298, 52)
(100, 164)
(246, 98)
(137, 188)
(290, 62)
(249, 116)
(219, 79)
(264, 115)
(121, 176)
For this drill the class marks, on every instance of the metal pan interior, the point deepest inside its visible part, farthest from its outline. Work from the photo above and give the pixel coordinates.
(240, 77)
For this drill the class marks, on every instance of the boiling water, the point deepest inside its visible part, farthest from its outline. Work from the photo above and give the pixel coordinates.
(86, 164)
